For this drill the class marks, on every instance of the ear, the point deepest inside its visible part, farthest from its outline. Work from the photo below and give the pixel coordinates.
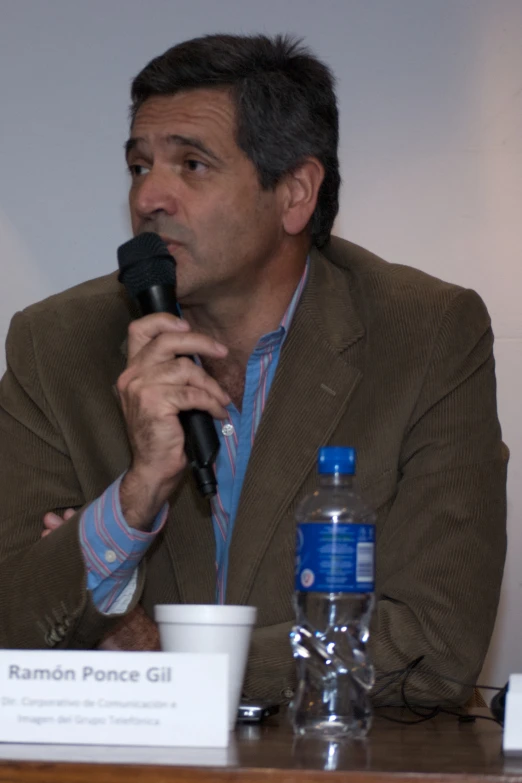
(300, 189)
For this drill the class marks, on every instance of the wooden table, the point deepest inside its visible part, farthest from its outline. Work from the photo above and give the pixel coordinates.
(441, 750)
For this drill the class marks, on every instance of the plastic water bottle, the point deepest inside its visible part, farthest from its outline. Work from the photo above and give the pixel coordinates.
(333, 603)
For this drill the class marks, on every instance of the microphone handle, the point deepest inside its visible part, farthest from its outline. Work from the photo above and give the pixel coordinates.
(201, 440)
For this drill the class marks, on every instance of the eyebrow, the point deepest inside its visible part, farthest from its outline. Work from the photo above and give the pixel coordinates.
(174, 139)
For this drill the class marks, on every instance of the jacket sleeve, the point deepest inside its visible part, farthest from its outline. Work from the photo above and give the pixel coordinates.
(44, 601)
(440, 553)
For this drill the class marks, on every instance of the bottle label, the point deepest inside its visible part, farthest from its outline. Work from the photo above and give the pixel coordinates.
(335, 558)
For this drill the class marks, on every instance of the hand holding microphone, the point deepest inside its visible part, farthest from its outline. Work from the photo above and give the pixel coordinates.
(168, 400)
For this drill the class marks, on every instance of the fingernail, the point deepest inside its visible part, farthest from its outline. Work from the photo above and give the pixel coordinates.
(221, 348)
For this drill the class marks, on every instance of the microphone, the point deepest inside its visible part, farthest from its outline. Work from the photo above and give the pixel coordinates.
(148, 272)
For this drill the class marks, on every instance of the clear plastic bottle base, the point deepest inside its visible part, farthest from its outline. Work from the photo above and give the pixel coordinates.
(334, 729)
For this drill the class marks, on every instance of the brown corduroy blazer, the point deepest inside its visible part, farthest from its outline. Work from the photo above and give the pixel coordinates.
(380, 357)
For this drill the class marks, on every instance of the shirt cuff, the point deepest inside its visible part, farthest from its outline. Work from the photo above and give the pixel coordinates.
(124, 597)
(111, 549)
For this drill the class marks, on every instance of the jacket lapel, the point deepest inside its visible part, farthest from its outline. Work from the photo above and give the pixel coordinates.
(312, 387)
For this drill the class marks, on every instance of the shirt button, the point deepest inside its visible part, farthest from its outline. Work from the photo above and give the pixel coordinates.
(288, 693)
(227, 430)
(110, 556)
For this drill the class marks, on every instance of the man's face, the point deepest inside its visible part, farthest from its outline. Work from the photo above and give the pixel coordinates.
(192, 185)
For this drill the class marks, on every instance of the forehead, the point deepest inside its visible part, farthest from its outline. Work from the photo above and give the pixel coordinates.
(205, 113)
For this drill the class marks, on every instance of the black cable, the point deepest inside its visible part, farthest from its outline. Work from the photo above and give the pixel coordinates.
(467, 684)
(432, 712)
(406, 722)
(465, 717)
(398, 674)
(440, 676)
(388, 684)
(394, 671)
(421, 717)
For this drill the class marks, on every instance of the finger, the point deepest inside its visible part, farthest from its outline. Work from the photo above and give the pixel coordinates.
(178, 373)
(189, 398)
(69, 513)
(52, 521)
(144, 330)
(160, 401)
(167, 346)
(110, 643)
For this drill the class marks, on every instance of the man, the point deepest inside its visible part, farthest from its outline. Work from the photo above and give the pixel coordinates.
(304, 341)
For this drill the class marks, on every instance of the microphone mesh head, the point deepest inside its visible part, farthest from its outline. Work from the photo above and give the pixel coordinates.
(145, 262)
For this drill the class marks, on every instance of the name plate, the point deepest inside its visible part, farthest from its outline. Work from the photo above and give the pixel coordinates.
(114, 698)
(512, 740)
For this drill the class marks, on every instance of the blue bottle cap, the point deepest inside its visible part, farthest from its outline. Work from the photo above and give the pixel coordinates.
(336, 459)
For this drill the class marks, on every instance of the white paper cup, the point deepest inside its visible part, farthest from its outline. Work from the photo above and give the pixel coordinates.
(210, 628)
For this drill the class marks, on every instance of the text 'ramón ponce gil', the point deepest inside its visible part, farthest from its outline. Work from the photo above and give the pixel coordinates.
(88, 673)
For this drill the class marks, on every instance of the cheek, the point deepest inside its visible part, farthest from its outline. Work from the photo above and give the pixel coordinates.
(211, 221)
(254, 210)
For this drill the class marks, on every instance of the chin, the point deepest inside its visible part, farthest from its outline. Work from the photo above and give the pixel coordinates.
(195, 295)
(188, 297)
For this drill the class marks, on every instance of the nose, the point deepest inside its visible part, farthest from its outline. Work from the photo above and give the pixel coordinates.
(155, 192)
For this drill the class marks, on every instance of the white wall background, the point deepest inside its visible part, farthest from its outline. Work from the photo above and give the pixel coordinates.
(431, 114)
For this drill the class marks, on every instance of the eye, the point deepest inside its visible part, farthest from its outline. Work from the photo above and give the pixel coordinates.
(137, 170)
(192, 164)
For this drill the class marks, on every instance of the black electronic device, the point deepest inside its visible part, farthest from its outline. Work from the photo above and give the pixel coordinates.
(498, 704)
(255, 711)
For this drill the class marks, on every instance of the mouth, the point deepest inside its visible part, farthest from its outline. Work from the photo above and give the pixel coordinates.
(172, 244)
